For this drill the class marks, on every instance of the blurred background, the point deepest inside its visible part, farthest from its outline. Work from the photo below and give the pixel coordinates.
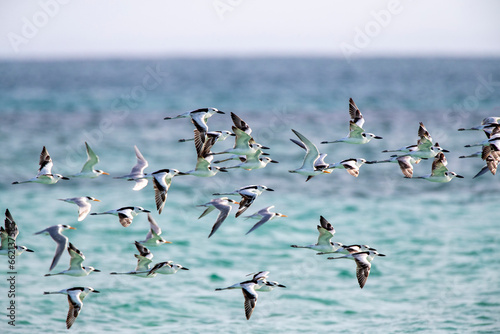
(107, 74)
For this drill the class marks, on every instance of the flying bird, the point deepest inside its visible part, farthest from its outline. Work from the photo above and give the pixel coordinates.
(137, 172)
(363, 264)
(313, 163)
(44, 175)
(222, 204)
(75, 299)
(248, 195)
(61, 240)
(440, 172)
(8, 237)
(88, 170)
(75, 264)
(83, 203)
(125, 214)
(264, 215)
(153, 238)
(324, 243)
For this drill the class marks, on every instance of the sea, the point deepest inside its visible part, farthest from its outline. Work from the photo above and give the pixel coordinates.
(441, 240)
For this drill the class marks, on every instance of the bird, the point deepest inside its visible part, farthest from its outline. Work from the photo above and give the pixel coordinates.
(248, 288)
(153, 238)
(324, 244)
(137, 172)
(198, 117)
(83, 203)
(203, 145)
(248, 194)
(363, 264)
(253, 161)
(264, 215)
(349, 249)
(88, 170)
(258, 277)
(313, 163)
(75, 299)
(485, 123)
(125, 214)
(222, 204)
(144, 259)
(75, 264)
(61, 240)
(8, 237)
(350, 165)
(357, 134)
(44, 175)
(220, 135)
(162, 179)
(440, 172)
(269, 286)
(404, 161)
(166, 268)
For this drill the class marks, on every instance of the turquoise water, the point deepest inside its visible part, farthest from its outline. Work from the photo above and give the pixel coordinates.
(441, 240)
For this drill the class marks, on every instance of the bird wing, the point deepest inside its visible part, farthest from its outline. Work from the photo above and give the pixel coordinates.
(355, 130)
(439, 165)
(250, 298)
(246, 201)
(45, 163)
(62, 243)
(92, 160)
(125, 219)
(362, 268)
(423, 133)
(77, 257)
(266, 216)
(312, 152)
(83, 208)
(202, 164)
(140, 184)
(242, 138)
(224, 209)
(240, 124)
(326, 232)
(10, 226)
(356, 116)
(424, 144)
(75, 306)
(161, 188)
(154, 228)
(198, 118)
(141, 164)
(207, 211)
(405, 165)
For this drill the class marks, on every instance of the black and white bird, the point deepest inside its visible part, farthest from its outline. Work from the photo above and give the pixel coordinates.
(61, 240)
(75, 299)
(198, 117)
(491, 153)
(324, 243)
(88, 170)
(313, 163)
(363, 264)
(350, 165)
(166, 268)
(222, 204)
(248, 289)
(162, 179)
(75, 264)
(153, 238)
(485, 123)
(137, 173)
(440, 172)
(264, 215)
(248, 194)
(125, 214)
(357, 134)
(144, 259)
(83, 203)
(405, 163)
(44, 175)
(8, 237)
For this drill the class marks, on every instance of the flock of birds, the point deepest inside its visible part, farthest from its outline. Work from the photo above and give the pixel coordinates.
(250, 155)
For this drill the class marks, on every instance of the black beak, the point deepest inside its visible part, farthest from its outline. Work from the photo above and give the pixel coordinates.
(65, 178)
(181, 173)
(146, 211)
(264, 153)
(96, 291)
(183, 268)
(281, 286)
(378, 137)
(97, 270)
(265, 148)
(232, 134)
(459, 176)
(446, 151)
(381, 255)
(29, 250)
(269, 189)
(370, 162)
(220, 112)
(223, 170)
(274, 161)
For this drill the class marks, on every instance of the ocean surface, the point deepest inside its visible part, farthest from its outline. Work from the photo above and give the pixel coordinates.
(441, 272)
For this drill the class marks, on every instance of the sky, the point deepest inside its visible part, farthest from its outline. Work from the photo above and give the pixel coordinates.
(200, 28)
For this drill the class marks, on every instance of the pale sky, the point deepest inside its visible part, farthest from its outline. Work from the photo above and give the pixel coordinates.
(159, 28)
